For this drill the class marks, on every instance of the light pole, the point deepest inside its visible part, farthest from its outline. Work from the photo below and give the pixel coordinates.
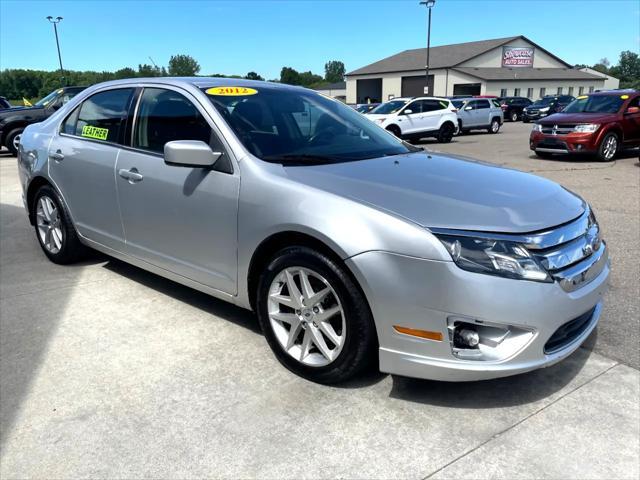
(55, 22)
(429, 4)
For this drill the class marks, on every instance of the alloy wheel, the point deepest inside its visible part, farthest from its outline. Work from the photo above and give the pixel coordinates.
(495, 126)
(610, 147)
(306, 316)
(514, 117)
(16, 142)
(49, 224)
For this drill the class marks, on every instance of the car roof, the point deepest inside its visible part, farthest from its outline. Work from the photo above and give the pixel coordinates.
(615, 92)
(203, 82)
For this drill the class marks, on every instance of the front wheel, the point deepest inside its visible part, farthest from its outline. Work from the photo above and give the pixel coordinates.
(445, 134)
(514, 116)
(55, 232)
(314, 317)
(494, 127)
(13, 140)
(608, 147)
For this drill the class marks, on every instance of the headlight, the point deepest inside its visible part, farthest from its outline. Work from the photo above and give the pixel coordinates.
(494, 257)
(586, 128)
(537, 127)
(379, 120)
(545, 109)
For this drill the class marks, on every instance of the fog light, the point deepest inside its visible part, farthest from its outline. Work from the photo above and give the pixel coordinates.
(466, 338)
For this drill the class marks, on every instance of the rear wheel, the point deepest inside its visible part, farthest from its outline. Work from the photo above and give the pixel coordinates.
(55, 232)
(314, 317)
(608, 147)
(445, 134)
(494, 127)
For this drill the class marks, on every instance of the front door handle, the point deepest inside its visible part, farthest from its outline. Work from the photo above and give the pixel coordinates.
(57, 156)
(131, 175)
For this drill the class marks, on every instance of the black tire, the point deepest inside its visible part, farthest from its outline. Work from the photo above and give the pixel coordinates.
(459, 131)
(359, 350)
(494, 126)
(71, 249)
(513, 116)
(445, 134)
(10, 139)
(395, 130)
(545, 155)
(604, 154)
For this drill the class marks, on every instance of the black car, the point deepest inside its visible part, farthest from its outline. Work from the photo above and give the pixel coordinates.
(15, 119)
(4, 103)
(512, 107)
(547, 105)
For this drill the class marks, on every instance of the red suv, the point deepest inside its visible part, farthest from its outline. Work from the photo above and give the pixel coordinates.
(600, 123)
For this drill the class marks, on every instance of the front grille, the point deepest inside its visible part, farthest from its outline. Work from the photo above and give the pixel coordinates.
(558, 129)
(568, 332)
(552, 144)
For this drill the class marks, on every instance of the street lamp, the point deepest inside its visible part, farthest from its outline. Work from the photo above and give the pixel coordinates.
(55, 22)
(429, 4)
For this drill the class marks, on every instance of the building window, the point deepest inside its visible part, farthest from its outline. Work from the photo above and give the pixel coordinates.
(559, 90)
(543, 91)
(516, 92)
(590, 89)
(571, 91)
(580, 90)
(529, 92)
(503, 92)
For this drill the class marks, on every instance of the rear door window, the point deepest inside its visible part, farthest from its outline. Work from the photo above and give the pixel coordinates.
(102, 116)
(164, 116)
(482, 104)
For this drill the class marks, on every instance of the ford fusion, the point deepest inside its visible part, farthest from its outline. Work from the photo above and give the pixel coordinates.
(352, 247)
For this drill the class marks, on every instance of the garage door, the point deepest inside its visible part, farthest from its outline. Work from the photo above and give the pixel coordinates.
(414, 86)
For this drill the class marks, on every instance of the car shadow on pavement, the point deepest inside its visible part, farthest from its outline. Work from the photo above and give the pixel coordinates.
(194, 298)
(497, 393)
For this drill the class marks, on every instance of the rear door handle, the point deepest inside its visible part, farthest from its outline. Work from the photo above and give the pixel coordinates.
(57, 156)
(132, 175)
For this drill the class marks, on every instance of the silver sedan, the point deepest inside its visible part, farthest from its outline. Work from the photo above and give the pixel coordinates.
(353, 247)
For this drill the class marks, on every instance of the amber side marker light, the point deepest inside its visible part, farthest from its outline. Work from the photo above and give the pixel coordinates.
(414, 332)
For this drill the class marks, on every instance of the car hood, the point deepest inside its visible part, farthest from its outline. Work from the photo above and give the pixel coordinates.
(447, 192)
(10, 111)
(560, 118)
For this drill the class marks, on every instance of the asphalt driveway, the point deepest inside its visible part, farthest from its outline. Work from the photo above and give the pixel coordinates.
(107, 371)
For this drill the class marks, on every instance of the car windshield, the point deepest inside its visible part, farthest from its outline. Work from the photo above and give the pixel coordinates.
(48, 99)
(542, 102)
(297, 127)
(389, 107)
(595, 104)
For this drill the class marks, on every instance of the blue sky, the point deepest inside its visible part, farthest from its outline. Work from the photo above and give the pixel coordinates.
(234, 37)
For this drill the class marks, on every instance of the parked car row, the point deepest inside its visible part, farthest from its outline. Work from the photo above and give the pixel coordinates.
(442, 118)
(14, 120)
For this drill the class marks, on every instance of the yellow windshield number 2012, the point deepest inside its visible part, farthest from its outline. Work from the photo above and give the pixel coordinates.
(95, 132)
(231, 91)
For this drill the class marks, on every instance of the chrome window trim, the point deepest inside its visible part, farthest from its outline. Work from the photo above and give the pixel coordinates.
(536, 240)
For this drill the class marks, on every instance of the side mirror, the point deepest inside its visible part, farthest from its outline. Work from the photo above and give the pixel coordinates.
(190, 153)
(407, 111)
(633, 110)
(468, 108)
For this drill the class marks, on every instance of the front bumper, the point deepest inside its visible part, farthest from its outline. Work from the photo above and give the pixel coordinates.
(424, 294)
(532, 116)
(569, 143)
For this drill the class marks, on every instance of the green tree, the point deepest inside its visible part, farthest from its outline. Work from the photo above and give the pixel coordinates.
(334, 71)
(146, 70)
(183, 66)
(627, 70)
(126, 72)
(253, 76)
(289, 76)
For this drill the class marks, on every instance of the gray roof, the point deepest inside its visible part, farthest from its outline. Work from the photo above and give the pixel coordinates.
(528, 73)
(443, 56)
(332, 86)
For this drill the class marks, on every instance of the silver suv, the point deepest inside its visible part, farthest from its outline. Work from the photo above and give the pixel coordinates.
(353, 247)
(478, 114)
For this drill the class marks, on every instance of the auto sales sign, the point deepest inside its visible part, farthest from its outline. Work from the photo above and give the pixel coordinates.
(517, 57)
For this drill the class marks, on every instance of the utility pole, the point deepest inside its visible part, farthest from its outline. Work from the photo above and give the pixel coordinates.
(55, 22)
(429, 4)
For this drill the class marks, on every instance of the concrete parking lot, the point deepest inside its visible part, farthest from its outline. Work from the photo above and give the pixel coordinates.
(107, 371)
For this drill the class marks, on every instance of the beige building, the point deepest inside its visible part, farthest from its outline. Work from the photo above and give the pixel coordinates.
(610, 83)
(334, 90)
(513, 66)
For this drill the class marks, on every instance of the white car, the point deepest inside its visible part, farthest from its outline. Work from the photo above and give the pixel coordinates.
(414, 118)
